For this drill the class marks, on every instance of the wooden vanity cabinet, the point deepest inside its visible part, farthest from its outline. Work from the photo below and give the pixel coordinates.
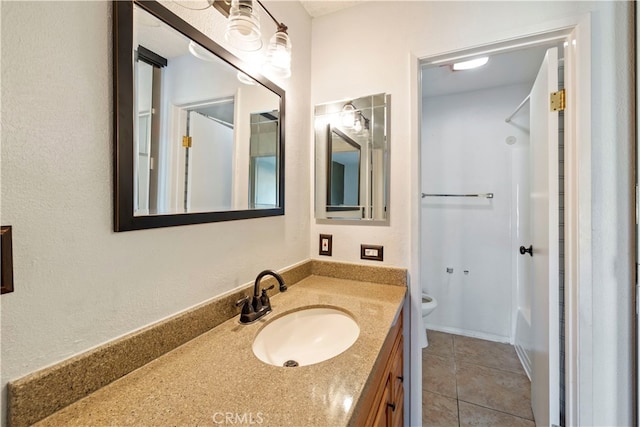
(383, 405)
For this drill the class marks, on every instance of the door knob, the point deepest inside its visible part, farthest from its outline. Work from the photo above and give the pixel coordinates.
(524, 250)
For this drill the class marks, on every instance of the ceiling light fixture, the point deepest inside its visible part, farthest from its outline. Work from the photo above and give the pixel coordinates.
(468, 65)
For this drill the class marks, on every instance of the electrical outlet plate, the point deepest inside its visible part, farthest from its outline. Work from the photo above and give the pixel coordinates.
(325, 244)
(371, 252)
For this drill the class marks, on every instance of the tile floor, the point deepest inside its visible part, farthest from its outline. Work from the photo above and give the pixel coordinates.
(473, 382)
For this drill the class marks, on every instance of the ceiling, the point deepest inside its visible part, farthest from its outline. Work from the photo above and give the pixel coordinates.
(510, 68)
(317, 8)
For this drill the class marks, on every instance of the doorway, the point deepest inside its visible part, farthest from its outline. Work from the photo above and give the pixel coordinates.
(481, 198)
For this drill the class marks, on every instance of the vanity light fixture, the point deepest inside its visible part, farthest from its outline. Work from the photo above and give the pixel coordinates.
(243, 33)
(352, 118)
(348, 115)
(357, 126)
(361, 122)
(279, 53)
(243, 26)
(472, 63)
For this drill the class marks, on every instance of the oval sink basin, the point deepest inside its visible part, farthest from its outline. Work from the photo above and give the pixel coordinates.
(306, 337)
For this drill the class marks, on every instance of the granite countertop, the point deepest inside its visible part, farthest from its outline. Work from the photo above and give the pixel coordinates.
(216, 379)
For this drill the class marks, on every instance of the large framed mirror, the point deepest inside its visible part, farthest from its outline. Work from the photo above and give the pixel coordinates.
(352, 159)
(198, 138)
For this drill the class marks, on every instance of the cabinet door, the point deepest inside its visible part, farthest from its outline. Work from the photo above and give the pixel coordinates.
(397, 416)
(397, 387)
(382, 415)
(396, 374)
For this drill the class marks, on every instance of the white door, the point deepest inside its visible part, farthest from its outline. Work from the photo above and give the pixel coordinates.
(544, 239)
(210, 165)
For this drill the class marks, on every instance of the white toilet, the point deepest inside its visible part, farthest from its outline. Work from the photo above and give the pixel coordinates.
(429, 304)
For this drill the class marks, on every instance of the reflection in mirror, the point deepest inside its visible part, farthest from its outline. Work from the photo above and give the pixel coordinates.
(206, 138)
(352, 158)
(263, 168)
(343, 179)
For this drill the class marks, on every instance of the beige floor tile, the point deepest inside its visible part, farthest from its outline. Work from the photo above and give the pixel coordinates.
(487, 353)
(473, 415)
(504, 391)
(439, 411)
(440, 343)
(439, 375)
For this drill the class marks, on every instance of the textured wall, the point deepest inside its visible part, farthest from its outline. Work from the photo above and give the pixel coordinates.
(78, 284)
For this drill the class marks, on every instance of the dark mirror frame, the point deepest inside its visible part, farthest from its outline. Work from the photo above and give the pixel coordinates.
(123, 155)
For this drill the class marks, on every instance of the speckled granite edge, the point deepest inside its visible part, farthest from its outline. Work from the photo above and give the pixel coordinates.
(359, 272)
(40, 394)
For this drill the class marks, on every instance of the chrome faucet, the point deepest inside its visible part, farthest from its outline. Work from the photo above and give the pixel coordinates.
(253, 308)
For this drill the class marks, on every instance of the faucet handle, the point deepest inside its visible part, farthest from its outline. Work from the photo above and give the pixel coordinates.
(264, 298)
(246, 305)
(256, 303)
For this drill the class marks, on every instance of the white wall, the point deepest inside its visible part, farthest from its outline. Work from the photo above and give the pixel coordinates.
(388, 37)
(464, 151)
(77, 283)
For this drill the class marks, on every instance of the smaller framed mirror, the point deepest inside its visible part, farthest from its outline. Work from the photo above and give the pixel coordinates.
(352, 159)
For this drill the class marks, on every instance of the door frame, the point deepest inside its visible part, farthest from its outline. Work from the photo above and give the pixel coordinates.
(636, 54)
(576, 32)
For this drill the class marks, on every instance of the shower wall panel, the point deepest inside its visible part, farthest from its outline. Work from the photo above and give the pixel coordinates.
(468, 253)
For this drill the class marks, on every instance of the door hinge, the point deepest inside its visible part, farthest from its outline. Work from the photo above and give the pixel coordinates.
(186, 141)
(557, 100)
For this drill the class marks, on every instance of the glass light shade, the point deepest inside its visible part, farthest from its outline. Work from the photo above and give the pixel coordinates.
(357, 126)
(201, 53)
(348, 116)
(243, 26)
(243, 78)
(279, 54)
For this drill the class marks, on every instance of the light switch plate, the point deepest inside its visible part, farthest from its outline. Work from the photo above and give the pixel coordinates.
(325, 244)
(372, 252)
(6, 272)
